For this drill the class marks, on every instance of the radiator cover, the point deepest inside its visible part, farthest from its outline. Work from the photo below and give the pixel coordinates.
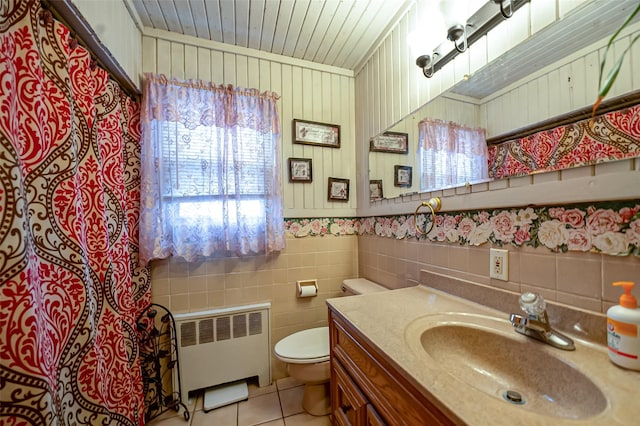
(223, 345)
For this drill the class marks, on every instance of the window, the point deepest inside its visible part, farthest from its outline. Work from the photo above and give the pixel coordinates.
(451, 154)
(198, 176)
(210, 171)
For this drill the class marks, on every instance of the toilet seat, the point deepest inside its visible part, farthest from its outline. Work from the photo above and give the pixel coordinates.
(304, 347)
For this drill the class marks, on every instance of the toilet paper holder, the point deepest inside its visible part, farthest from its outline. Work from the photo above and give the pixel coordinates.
(307, 288)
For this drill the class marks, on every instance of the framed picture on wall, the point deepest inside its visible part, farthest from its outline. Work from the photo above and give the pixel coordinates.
(338, 189)
(390, 142)
(300, 170)
(402, 176)
(375, 190)
(315, 133)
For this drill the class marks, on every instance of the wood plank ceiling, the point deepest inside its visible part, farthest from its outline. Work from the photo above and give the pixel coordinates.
(340, 33)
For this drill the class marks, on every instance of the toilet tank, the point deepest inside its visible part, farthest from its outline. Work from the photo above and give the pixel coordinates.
(356, 286)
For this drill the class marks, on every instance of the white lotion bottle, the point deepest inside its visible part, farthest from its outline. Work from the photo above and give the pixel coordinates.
(623, 322)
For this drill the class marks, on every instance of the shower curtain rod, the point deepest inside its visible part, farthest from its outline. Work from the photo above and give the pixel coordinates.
(67, 13)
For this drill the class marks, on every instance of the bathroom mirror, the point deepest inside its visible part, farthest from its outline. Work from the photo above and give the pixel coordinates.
(463, 103)
(382, 165)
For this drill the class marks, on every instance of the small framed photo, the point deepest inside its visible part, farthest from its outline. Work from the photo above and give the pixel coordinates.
(315, 133)
(390, 142)
(375, 190)
(338, 189)
(300, 170)
(402, 176)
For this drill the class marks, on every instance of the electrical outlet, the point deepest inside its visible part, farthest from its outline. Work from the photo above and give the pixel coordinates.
(499, 264)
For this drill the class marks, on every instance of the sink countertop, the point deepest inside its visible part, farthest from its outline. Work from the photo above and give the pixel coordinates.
(384, 319)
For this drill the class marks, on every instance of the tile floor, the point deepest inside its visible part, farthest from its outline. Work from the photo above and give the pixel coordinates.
(279, 404)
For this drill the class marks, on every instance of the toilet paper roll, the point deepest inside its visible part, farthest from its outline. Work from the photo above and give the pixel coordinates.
(308, 291)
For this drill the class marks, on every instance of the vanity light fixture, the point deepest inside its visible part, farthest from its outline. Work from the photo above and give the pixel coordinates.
(463, 32)
(456, 33)
(506, 7)
(455, 14)
(426, 63)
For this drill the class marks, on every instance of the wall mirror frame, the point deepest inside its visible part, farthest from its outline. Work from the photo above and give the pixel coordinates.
(528, 58)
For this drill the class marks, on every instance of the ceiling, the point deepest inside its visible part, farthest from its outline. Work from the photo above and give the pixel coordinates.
(344, 33)
(341, 33)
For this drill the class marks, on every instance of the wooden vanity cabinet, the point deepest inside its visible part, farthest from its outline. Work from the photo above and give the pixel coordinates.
(366, 389)
(350, 407)
(373, 418)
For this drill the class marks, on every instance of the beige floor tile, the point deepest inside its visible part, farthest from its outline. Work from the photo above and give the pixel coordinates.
(307, 420)
(196, 402)
(255, 390)
(259, 409)
(223, 416)
(291, 400)
(170, 418)
(167, 414)
(288, 382)
(279, 422)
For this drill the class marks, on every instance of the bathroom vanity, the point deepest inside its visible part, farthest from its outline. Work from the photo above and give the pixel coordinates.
(420, 356)
(366, 387)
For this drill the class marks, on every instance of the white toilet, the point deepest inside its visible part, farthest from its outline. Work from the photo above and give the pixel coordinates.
(307, 355)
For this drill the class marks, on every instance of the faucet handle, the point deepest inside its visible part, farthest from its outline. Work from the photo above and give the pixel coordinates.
(532, 303)
(518, 320)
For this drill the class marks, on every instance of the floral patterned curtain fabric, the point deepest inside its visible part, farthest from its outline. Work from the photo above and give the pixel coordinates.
(70, 285)
(612, 136)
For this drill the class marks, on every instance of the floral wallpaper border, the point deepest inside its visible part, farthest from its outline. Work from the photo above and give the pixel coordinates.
(608, 227)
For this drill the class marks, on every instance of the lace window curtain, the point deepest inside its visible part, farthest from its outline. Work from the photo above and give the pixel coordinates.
(210, 171)
(451, 154)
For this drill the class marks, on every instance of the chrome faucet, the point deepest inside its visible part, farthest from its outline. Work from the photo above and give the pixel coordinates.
(536, 323)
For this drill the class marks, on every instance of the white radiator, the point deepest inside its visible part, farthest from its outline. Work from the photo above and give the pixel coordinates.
(223, 345)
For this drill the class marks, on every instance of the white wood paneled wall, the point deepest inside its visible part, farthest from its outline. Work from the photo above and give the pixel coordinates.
(390, 87)
(307, 91)
(565, 86)
(118, 31)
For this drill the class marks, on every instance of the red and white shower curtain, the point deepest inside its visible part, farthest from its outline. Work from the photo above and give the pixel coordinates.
(70, 284)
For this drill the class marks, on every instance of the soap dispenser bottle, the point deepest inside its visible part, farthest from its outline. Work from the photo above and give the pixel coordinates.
(623, 322)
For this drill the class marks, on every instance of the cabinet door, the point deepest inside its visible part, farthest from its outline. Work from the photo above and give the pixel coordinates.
(394, 398)
(349, 404)
(373, 419)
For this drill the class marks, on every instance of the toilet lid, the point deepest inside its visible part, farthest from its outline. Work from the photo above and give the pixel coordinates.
(362, 286)
(304, 347)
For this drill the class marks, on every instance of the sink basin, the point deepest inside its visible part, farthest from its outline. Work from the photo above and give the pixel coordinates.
(487, 354)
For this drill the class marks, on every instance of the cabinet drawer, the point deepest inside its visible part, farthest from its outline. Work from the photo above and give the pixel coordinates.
(373, 419)
(349, 406)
